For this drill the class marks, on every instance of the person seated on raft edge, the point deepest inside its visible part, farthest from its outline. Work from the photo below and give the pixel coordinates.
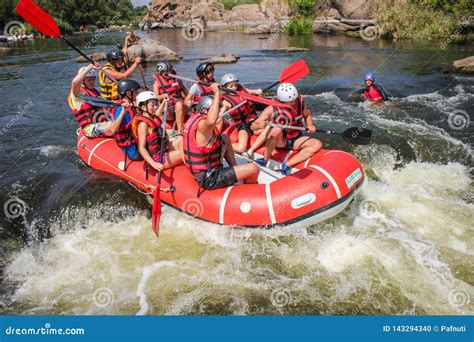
(243, 116)
(128, 90)
(89, 117)
(147, 127)
(205, 73)
(204, 148)
(172, 90)
(116, 63)
(287, 138)
(373, 92)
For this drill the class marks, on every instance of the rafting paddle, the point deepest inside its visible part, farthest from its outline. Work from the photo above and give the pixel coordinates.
(291, 74)
(43, 22)
(156, 209)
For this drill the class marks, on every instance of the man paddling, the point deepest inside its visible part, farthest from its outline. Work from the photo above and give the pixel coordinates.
(173, 90)
(285, 137)
(90, 118)
(373, 92)
(114, 67)
(204, 148)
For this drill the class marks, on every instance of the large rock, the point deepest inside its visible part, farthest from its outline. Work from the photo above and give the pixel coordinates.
(276, 9)
(151, 50)
(263, 29)
(96, 56)
(354, 9)
(222, 59)
(331, 25)
(465, 65)
(249, 12)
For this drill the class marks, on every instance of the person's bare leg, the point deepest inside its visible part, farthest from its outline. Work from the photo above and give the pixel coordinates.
(307, 147)
(275, 138)
(228, 152)
(247, 172)
(241, 144)
(260, 139)
(174, 155)
(179, 110)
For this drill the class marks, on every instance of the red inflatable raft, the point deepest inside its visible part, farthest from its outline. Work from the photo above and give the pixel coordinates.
(317, 189)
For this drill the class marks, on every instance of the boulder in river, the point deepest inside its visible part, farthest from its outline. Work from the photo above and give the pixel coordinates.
(291, 49)
(222, 59)
(96, 56)
(465, 65)
(151, 50)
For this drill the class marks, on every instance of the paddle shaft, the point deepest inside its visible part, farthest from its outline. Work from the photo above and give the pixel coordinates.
(297, 128)
(142, 73)
(162, 144)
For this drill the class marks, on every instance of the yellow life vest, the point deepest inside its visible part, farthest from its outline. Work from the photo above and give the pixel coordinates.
(108, 88)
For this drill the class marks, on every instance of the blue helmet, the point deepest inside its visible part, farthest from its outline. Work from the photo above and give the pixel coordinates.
(370, 76)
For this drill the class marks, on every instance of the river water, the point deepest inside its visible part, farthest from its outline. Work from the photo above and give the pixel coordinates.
(76, 241)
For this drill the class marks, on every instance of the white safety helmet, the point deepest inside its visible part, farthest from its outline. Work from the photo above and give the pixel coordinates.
(90, 73)
(205, 103)
(287, 92)
(145, 96)
(227, 78)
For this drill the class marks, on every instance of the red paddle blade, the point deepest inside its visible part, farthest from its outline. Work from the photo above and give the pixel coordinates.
(254, 98)
(294, 72)
(38, 18)
(156, 211)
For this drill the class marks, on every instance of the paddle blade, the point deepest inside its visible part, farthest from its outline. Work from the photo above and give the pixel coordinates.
(357, 135)
(294, 72)
(38, 18)
(254, 98)
(156, 211)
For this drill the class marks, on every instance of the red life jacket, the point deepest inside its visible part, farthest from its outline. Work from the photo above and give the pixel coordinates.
(153, 140)
(123, 137)
(372, 94)
(293, 117)
(200, 158)
(170, 86)
(246, 113)
(205, 90)
(85, 114)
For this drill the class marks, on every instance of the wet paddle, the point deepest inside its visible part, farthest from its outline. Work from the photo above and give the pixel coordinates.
(353, 135)
(291, 74)
(43, 22)
(156, 209)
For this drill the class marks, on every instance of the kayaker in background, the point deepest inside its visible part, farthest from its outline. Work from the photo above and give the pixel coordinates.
(205, 73)
(147, 127)
(285, 137)
(90, 118)
(373, 92)
(172, 90)
(128, 90)
(204, 148)
(243, 116)
(114, 67)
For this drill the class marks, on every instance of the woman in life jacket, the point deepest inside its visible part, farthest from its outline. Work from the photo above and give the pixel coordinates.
(243, 116)
(286, 138)
(148, 127)
(173, 90)
(115, 68)
(128, 90)
(94, 121)
(373, 92)
(204, 73)
(204, 148)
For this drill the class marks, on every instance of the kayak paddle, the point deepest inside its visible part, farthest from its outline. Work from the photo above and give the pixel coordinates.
(156, 209)
(43, 22)
(291, 74)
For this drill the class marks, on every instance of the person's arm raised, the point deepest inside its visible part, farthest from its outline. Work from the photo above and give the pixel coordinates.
(77, 81)
(119, 75)
(213, 112)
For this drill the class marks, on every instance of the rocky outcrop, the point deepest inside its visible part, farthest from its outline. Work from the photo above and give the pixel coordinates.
(465, 65)
(151, 50)
(222, 59)
(211, 15)
(334, 22)
(353, 9)
(291, 49)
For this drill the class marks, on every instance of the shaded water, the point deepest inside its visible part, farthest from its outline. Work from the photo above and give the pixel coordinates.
(76, 241)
